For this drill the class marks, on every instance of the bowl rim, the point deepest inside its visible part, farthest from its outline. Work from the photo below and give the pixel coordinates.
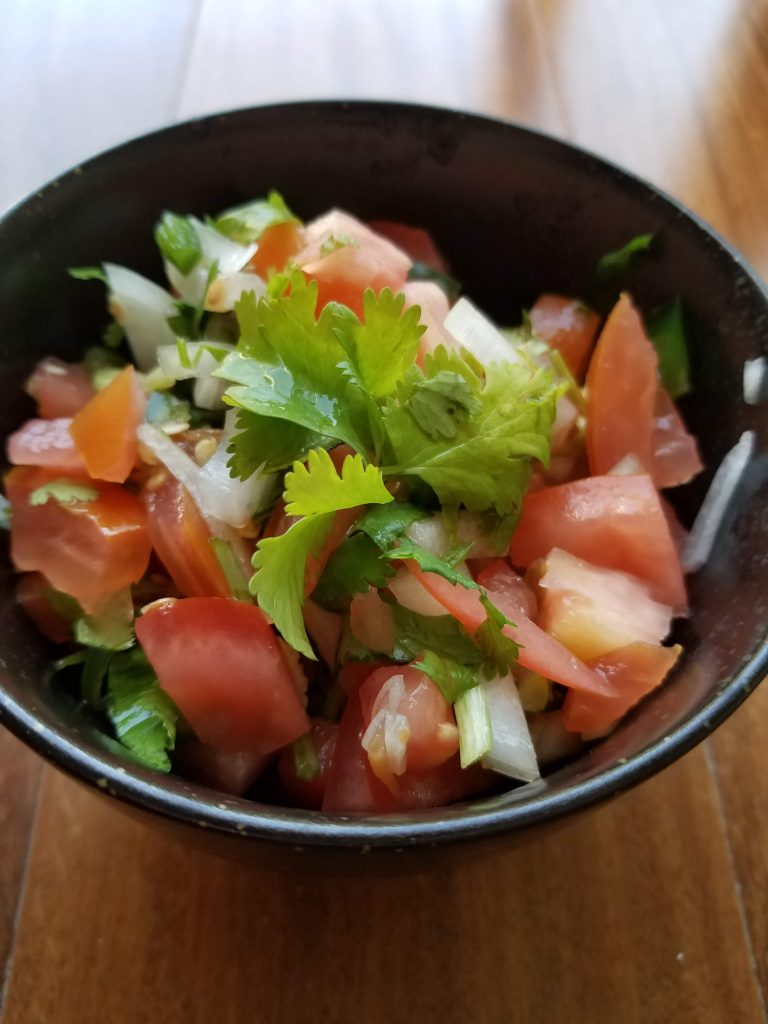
(483, 818)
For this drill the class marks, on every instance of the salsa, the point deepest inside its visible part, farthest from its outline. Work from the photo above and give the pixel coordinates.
(308, 524)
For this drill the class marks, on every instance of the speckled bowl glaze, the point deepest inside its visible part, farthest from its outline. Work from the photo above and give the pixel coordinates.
(516, 213)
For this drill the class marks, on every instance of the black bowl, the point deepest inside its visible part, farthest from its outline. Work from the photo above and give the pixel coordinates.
(517, 213)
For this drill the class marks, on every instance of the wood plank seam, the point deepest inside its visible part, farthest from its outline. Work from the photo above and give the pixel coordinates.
(737, 883)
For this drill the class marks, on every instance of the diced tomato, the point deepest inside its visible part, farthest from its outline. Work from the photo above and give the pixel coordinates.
(33, 594)
(105, 429)
(88, 549)
(621, 392)
(371, 622)
(344, 273)
(409, 724)
(353, 674)
(434, 306)
(538, 651)
(182, 540)
(277, 245)
(230, 771)
(45, 443)
(309, 793)
(613, 521)
(591, 610)
(676, 458)
(568, 326)
(416, 242)
(324, 628)
(59, 388)
(220, 662)
(633, 671)
(551, 740)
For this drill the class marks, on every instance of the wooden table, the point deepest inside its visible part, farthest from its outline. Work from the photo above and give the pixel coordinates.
(653, 909)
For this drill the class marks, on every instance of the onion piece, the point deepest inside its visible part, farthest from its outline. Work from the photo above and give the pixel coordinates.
(208, 393)
(755, 380)
(470, 328)
(225, 291)
(227, 498)
(512, 752)
(474, 722)
(410, 594)
(628, 465)
(713, 509)
(142, 308)
(431, 534)
(193, 359)
(229, 257)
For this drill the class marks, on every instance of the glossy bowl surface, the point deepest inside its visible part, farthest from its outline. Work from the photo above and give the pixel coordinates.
(516, 213)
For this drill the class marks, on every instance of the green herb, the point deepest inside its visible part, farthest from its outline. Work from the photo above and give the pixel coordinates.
(563, 371)
(317, 487)
(442, 634)
(111, 627)
(613, 265)
(474, 721)
(69, 661)
(88, 274)
(305, 757)
(452, 678)
(95, 666)
(64, 605)
(278, 583)
(178, 241)
(113, 334)
(500, 652)
(433, 563)
(354, 566)
(262, 441)
(142, 714)
(102, 366)
(440, 404)
(232, 569)
(247, 223)
(164, 408)
(335, 242)
(423, 272)
(5, 513)
(384, 524)
(66, 492)
(666, 329)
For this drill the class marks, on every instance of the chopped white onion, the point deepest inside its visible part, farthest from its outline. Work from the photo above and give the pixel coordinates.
(409, 593)
(229, 256)
(142, 308)
(432, 535)
(227, 289)
(512, 752)
(755, 380)
(629, 465)
(227, 498)
(200, 358)
(713, 509)
(470, 328)
(389, 730)
(208, 393)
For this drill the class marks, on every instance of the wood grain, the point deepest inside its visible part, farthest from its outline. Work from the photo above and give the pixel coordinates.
(652, 909)
(608, 919)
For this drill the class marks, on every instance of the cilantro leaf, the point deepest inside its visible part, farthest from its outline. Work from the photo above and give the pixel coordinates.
(278, 583)
(178, 242)
(499, 650)
(288, 366)
(354, 566)
(305, 759)
(487, 464)
(317, 487)
(164, 408)
(5, 513)
(666, 329)
(111, 626)
(452, 678)
(247, 223)
(385, 523)
(142, 714)
(614, 264)
(268, 442)
(88, 274)
(95, 666)
(432, 563)
(335, 242)
(442, 634)
(66, 492)
(441, 403)
(231, 567)
(384, 346)
(423, 272)
(113, 334)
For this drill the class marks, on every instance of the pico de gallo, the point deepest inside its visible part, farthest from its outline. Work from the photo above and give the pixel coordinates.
(307, 524)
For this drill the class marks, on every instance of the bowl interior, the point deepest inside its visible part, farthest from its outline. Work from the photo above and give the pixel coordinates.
(516, 214)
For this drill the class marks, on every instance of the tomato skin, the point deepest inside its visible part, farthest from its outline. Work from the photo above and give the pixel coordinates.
(104, 430)
(88, 549)
(613, 521)
(568, 326)
(277, 245)
(220, 662)
(31, 593)
(621, 391)
(181, 538)
(633, 672)
(371, 622)
(309, 793)
(45, 443)
(59, 388)
(324, 629)
(676, 458)
(434, 306)
(416, 242)
(229, 771)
